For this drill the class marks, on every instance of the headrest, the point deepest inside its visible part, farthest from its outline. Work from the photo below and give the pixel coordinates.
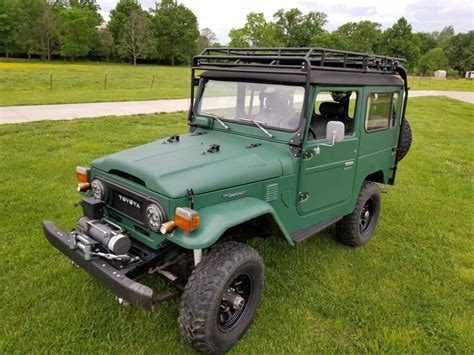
(331, 109)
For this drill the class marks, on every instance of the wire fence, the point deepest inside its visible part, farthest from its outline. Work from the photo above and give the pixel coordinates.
(61, 80)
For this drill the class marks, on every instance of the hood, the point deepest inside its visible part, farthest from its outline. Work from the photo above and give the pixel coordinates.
(171, 168)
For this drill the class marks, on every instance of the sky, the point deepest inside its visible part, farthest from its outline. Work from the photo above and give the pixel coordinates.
(424, 15)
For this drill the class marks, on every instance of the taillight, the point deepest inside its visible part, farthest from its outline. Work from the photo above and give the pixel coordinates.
(186, 219)
(82, 174)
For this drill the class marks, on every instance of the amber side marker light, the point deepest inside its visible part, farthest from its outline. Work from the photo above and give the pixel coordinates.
(82, 174)
(186, 219)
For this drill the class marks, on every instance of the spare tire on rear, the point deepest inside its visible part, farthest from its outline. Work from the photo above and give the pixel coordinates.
(405, 141)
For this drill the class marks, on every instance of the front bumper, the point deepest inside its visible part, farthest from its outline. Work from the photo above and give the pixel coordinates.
(115, 280)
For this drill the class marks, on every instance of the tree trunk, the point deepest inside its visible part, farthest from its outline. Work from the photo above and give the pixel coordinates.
(134, 60)
(172, 60)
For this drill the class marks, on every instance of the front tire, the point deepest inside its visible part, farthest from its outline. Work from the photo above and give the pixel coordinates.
(221, 297)
(358, 227)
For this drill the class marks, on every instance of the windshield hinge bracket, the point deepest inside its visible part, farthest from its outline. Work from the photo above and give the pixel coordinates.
(172, 139)
(191, 197)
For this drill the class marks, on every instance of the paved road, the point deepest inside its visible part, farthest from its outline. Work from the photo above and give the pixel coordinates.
(18, 114)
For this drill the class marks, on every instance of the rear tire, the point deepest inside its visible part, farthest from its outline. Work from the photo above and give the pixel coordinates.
(358, 227)
(221, 297)
(405, 142)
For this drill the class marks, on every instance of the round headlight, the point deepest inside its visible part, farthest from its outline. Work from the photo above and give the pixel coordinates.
(155, 216)
(98, 189)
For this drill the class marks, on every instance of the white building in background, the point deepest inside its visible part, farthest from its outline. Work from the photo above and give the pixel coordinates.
(469, 74)
(440, 74)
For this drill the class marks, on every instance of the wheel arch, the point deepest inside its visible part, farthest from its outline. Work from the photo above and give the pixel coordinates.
(377, 176)
(221, 220)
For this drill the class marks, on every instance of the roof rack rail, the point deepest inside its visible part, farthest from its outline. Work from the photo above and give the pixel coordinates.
(289, 60)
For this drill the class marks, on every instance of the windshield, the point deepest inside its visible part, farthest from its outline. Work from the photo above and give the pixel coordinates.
(271, 105)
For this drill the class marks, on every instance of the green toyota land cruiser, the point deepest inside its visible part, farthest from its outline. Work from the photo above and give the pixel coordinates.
(282, 143)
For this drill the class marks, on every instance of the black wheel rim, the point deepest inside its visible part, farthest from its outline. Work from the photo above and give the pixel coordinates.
(234, 302)
(366, 215)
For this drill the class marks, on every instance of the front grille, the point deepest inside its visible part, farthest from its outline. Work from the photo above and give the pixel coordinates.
(125, 202)
(128, 204)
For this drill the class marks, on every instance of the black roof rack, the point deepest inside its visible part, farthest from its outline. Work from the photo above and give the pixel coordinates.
(292, 60)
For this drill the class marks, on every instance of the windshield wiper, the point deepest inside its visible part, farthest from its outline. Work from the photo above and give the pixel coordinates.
(217, 118)
(256, 123)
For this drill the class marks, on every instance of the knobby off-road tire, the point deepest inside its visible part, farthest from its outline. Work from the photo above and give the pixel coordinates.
(358, 227)
(405, 142)
(205, 311)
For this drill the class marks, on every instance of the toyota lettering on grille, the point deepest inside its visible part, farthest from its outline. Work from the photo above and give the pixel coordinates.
(129, 201)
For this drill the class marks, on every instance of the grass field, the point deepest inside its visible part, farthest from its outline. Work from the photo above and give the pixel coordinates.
(410, 290)
(23, 83)
(28, 83)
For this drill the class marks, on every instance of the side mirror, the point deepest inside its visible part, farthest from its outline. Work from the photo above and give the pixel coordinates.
(335, 131)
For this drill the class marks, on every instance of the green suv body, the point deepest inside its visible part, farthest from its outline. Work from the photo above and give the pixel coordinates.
(282, 143)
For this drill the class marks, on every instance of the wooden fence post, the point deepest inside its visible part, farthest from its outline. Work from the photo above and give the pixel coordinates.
(152, 81)
(105, 80)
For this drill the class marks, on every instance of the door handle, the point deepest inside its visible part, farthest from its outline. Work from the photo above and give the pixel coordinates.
(349, 163)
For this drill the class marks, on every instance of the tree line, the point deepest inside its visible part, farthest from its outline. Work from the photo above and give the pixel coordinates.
(424, 52)
(169, 34)
(74, 29)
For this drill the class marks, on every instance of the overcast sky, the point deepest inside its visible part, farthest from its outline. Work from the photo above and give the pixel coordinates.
(424, 15)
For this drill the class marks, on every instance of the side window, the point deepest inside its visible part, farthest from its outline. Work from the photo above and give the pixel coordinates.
(333, 106)
(381, 111)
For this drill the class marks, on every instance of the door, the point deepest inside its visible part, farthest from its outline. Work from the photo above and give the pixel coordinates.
(379, 129)
(327, 177)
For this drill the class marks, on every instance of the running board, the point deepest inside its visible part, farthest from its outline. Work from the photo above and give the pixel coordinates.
(303, 234)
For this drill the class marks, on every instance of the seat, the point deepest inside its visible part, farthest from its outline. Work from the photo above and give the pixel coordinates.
(330, 111)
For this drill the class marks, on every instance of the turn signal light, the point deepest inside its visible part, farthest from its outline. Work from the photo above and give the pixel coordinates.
(82, 174)
(186, 219)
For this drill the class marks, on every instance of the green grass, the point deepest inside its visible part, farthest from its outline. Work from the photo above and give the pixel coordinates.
(443, 84)
(410, 290)
(25, 83)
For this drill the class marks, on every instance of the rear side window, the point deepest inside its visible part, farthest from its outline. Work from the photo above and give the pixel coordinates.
(381, 111)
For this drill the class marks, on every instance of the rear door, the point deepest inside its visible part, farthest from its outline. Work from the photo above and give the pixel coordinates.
(379, 128)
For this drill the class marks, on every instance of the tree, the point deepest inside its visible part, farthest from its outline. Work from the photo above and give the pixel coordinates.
(442, 38)
(257, 32)
(424, 41)
(333, 40)
(48, 29)
(175, 32)
(135, 35)
(27, 16)
(79, 32)
(433, 60)
(398, 41)
(363, 36)
(206, 39)
(460, 52)
(118, 20)
(7, 24)
(293, 29)
(105, 45)
(238, 38)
